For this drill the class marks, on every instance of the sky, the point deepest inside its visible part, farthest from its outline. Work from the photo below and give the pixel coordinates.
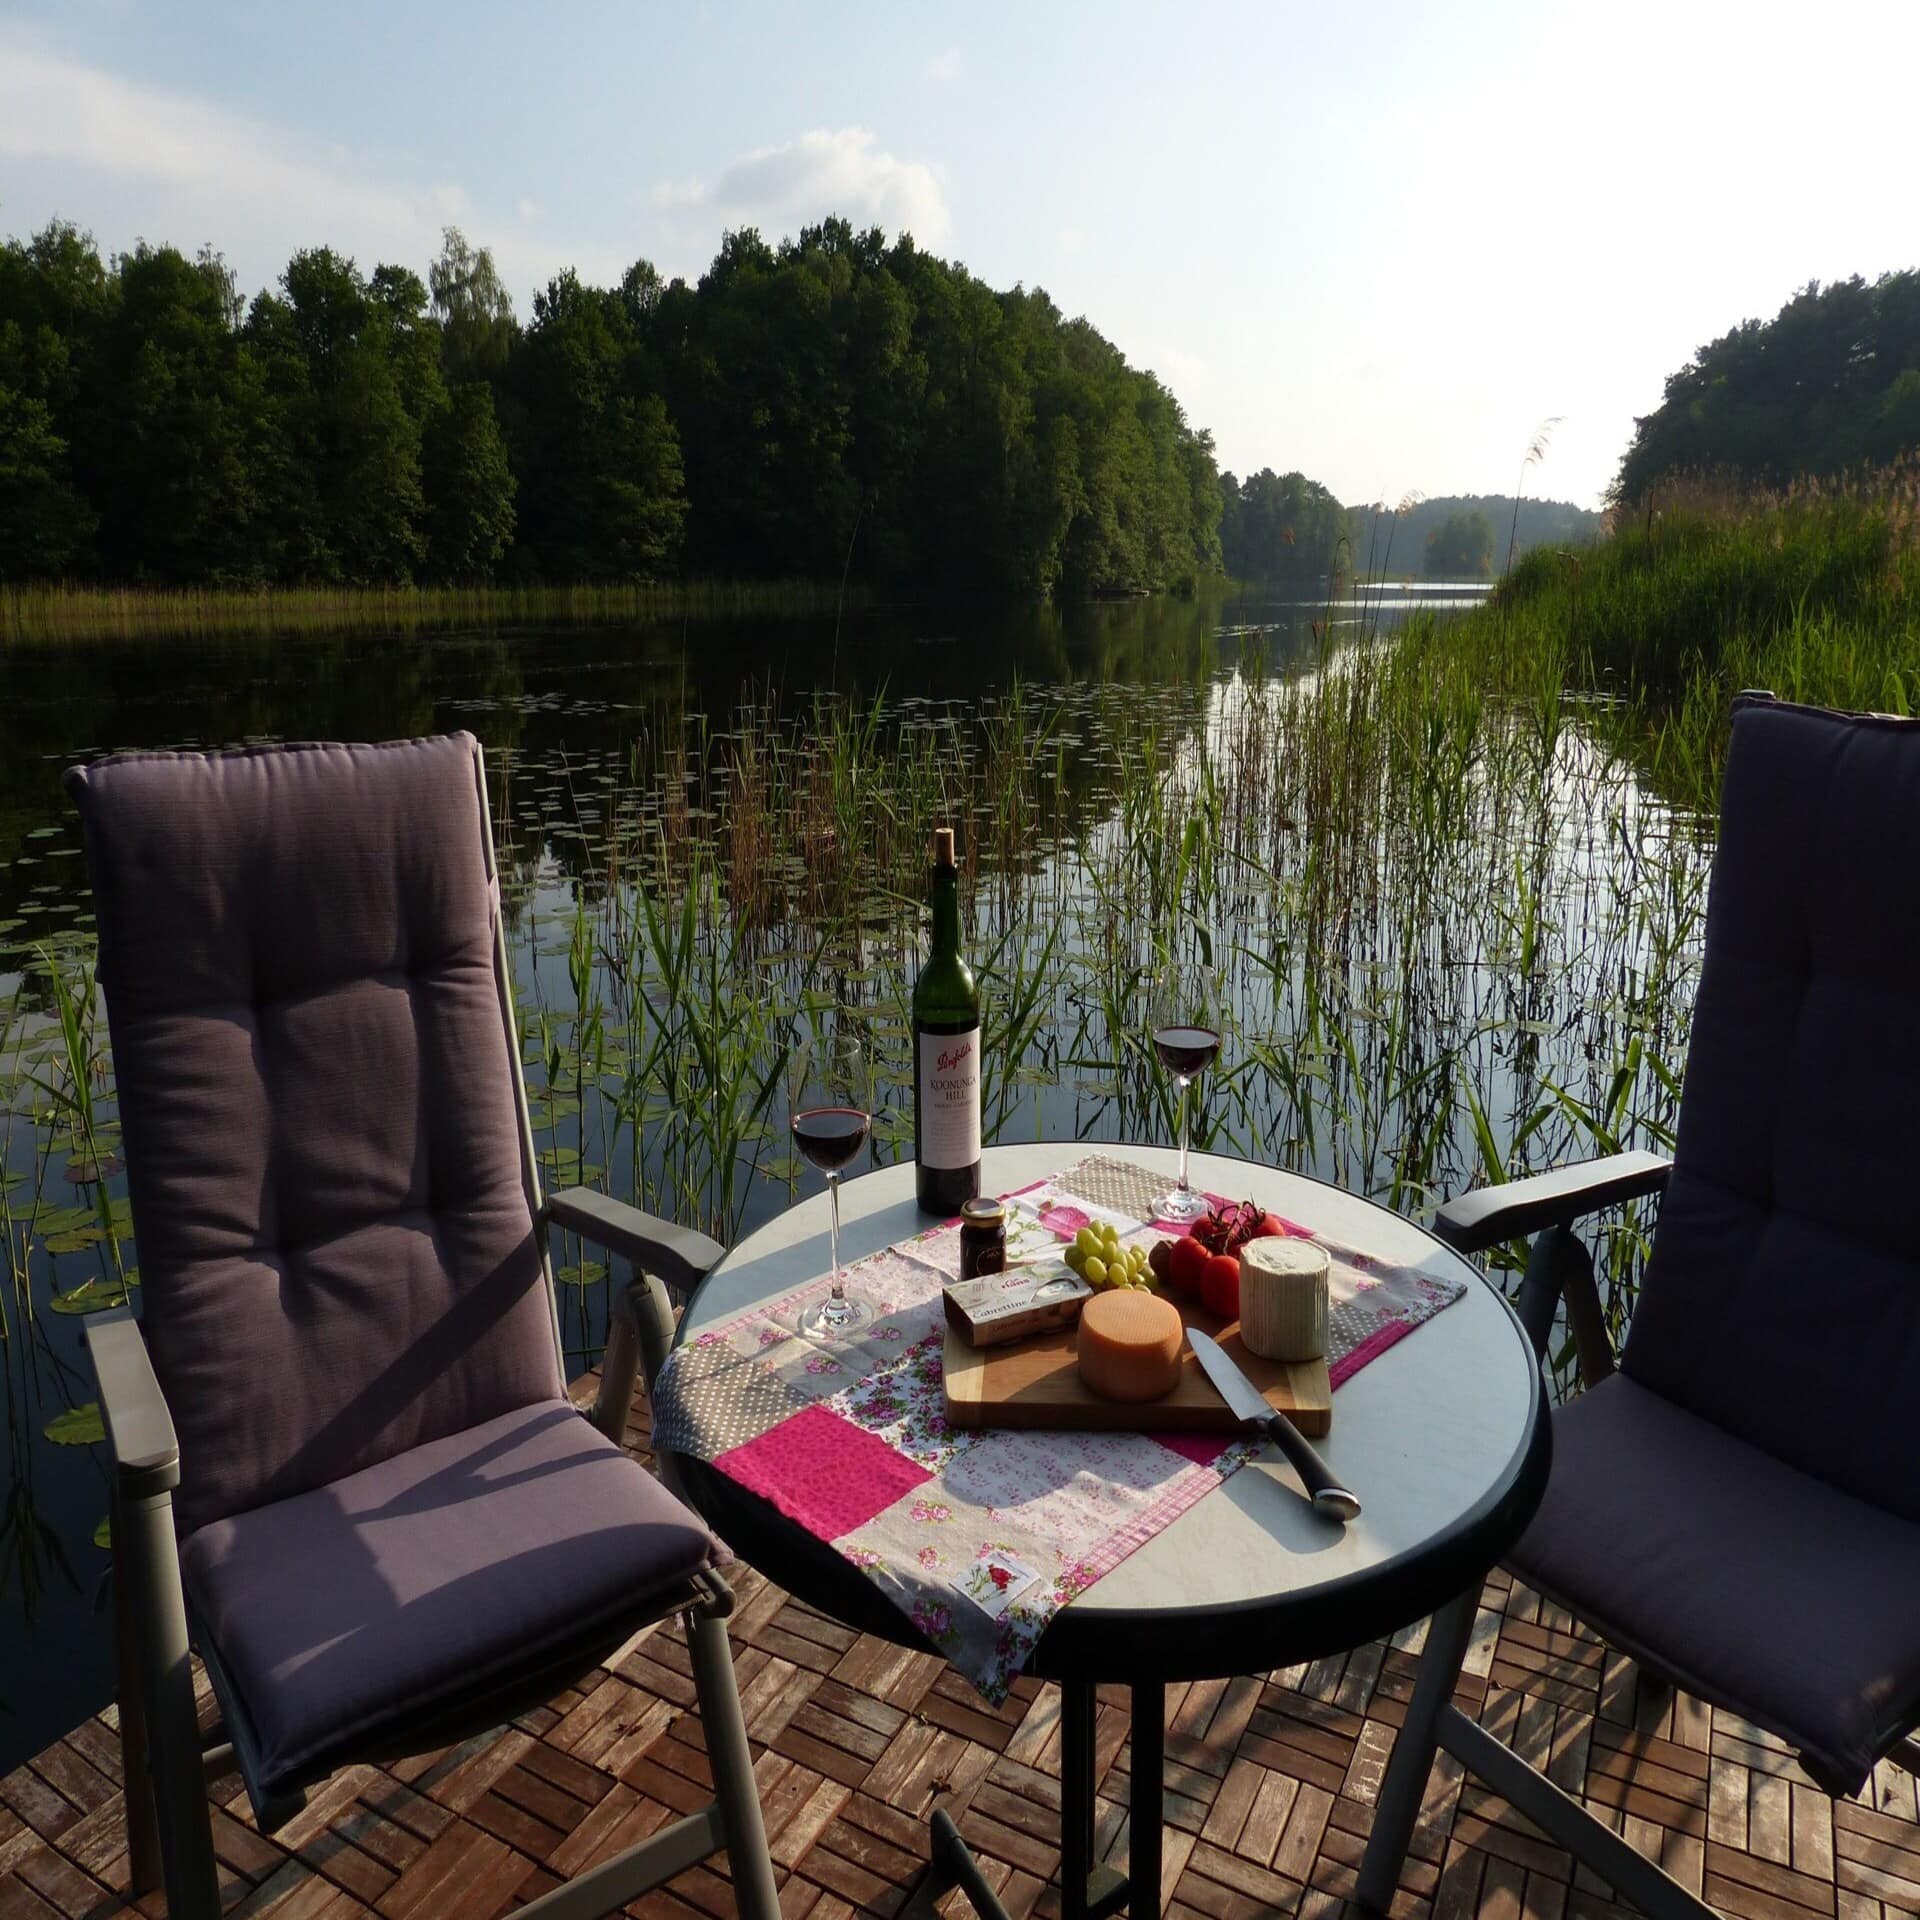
(1379, 245)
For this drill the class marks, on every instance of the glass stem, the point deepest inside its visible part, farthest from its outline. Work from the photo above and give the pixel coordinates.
(833, 1203)
(1186, 1086)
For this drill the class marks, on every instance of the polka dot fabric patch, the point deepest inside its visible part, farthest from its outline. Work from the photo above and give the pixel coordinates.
(720, 1400)
(1117, 1185)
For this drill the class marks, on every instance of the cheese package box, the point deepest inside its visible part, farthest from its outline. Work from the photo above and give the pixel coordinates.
(999, 1307)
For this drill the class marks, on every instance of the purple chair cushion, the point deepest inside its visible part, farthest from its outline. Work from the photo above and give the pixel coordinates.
(1782, 1300)
(435, 1574)
(336, 1235)
(1751, 1583)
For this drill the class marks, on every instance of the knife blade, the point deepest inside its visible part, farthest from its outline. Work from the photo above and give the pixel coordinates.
(1330, 1499)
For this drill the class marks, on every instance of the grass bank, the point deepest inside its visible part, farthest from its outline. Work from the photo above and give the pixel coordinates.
(65, 614)
(1707, 588)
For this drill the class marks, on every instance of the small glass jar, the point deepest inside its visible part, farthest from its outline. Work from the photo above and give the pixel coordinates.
(983, 1238)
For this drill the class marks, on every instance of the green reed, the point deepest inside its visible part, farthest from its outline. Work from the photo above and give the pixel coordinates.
(1710, 587)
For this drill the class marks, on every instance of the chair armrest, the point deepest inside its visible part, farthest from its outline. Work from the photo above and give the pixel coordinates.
(1471, 1222)
(146, 1455)
(678, 1255)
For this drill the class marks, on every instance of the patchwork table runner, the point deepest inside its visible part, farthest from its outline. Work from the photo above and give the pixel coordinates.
(978, 1536)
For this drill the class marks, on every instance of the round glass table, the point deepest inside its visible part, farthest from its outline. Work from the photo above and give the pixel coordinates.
(1444, 1438)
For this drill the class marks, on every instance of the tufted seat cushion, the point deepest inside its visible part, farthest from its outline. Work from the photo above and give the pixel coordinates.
(439, 1573)
(335, 1227)
(434, 1575)
(1782, 1298)
(1746, 1580)
(1738, 1506)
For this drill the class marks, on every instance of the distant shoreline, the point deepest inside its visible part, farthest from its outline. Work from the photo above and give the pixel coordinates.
(77, 613)
(61, 613)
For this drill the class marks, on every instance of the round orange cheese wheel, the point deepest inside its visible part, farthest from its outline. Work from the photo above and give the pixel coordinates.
(1129, 1345)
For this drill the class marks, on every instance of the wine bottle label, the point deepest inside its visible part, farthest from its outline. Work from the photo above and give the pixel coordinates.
(949, 1099)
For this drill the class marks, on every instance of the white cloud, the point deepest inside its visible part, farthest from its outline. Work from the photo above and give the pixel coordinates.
(132, 161)
(945, 68)
(1072, 240)
(779, 189)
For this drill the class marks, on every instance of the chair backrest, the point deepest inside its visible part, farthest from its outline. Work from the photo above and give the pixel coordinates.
(1782, 1298)
(322, 1118)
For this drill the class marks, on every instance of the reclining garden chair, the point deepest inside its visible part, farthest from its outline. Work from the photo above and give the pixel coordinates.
(350, 1475)
(1737, 1506)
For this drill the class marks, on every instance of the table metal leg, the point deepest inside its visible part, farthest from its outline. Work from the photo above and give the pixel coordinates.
(1087, 1892)
(1076, 1795)
(1397, 1806)
(951, 1864)
(1144, 1806)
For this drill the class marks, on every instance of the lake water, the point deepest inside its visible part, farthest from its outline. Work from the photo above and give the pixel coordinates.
(1530, 942)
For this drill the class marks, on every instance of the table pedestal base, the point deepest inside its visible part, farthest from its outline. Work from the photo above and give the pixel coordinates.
(1087, 1891)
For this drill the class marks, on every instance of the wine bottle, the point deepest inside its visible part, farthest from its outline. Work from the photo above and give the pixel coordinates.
(946, 1053)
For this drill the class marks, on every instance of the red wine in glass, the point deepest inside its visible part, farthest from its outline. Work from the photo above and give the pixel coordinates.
(1186, 1051)
(1185, 1024)
(830, 1109)
(830, 1137)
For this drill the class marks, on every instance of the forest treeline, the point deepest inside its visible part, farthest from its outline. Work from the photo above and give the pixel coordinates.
(1829, 385)
(1285, 527)
(837, 403)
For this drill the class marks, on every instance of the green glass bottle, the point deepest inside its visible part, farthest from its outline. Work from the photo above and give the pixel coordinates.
(946, 1053)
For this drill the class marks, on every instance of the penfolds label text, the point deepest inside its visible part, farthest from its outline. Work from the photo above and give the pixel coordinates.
(949, 1074)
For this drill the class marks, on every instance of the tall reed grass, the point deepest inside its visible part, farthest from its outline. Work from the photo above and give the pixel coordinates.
(1702, 589)
(1458, 936)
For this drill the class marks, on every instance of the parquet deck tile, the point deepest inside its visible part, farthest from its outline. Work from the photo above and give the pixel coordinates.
(1270, 1786)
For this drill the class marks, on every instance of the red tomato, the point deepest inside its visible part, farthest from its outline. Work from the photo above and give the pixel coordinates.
(1186, 1260)
(1272, 1227)
(1220, 1286)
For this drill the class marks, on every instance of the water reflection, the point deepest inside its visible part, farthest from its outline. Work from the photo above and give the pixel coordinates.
(611, 737)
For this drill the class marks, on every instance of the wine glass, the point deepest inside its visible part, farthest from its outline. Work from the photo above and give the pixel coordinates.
(829, 1103)
(1184, 1017)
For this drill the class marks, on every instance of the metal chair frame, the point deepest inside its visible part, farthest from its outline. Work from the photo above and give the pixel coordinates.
(1559, 1279)
(167, 1766)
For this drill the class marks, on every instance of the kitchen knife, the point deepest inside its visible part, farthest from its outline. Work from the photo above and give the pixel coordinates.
(1330, 1499)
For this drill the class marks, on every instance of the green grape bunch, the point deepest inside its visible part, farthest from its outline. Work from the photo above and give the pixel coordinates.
(1097, 1256)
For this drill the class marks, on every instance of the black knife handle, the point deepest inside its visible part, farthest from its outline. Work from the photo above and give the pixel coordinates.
(1330, 1499)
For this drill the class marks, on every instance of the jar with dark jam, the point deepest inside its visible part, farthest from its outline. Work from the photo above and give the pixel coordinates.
(983, 1238)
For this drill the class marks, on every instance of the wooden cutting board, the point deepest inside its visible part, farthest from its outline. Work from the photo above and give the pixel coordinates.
(1036, 1383)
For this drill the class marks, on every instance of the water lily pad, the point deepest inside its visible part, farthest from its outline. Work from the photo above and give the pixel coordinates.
(83, 1172)
(67, 1220)
(567, 1168)
(79, 1426)
(95, 1297)
(583, 1275)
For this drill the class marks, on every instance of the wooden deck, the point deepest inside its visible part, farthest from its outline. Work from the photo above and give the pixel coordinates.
(1270, 1783)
